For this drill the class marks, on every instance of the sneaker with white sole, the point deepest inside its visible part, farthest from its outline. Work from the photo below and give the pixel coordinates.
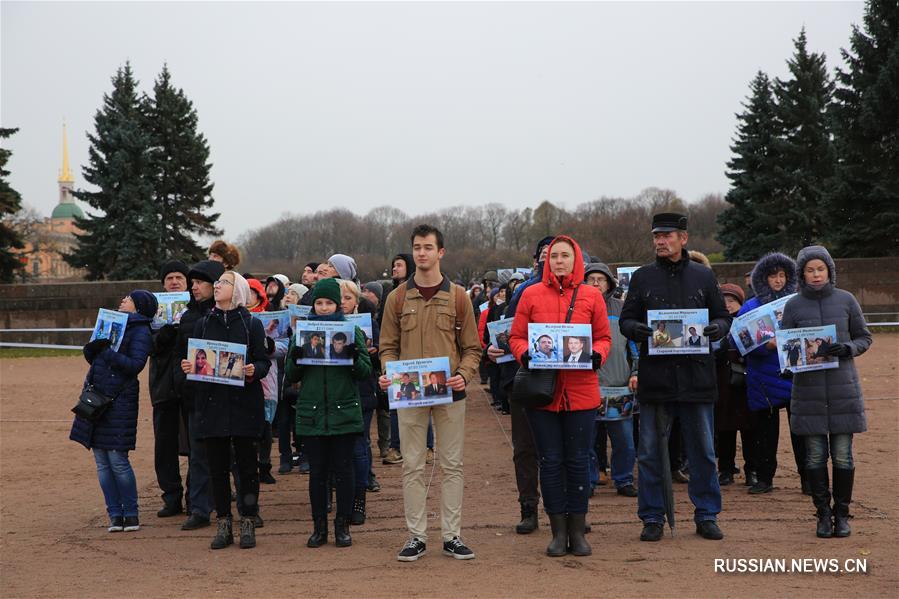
(131, 524)
(455, 548)
(412, 550)
(116, 524)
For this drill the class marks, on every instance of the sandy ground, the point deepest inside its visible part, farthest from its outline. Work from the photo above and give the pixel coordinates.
(53, 540)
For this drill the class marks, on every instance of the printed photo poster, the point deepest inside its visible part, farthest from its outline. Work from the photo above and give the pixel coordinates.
(275, 324)
(758, 326)
(363, 321)
(618, 403)
(324, 343)
(677, 331)
(296, 313)
(484, 306)
(216, 361)
(559, 346)
(110, 325)
(526, 271)
(172, 305)
(624, 274)
(797, 349)
(499, 331)
(418, 383)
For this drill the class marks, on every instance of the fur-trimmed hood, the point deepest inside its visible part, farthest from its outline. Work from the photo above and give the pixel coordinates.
(765, 266)
(814, 252)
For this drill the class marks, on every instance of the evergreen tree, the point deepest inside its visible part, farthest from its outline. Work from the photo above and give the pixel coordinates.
(749, 226)
(863, 206)
(181, 185)
(10, 203)
(123, 241)
(805, 152)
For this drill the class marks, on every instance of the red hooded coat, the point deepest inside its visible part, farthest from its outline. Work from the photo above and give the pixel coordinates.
(257, 286)
(548, 302)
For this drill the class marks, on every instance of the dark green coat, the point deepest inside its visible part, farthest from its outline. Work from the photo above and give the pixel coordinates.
(329, 397)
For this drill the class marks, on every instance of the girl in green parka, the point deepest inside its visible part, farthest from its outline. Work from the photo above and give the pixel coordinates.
(329, 419)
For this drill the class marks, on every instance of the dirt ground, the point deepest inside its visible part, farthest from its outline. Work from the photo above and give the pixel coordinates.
(53, 540)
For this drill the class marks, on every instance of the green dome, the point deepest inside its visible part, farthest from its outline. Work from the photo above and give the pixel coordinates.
(67, 211)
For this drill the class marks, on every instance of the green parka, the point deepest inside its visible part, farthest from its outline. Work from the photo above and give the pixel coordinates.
(328, 403)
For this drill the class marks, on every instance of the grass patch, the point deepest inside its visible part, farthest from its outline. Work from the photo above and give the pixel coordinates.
(36, 352)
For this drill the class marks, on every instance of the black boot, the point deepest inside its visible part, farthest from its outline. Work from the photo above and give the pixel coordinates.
(528, 522)
(224, 534)
(247, 533)
(265, 474)
(559, 545)
(842, 497)
(577, 523)
(342, 536)
(803, 481)
(358, 516)
(818, 481)
(320, 535)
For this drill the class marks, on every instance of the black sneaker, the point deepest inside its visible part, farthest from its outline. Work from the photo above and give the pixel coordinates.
(761, 487)
(169, 510)
(412, 550)
(195, 521)
(116, 524)
(652, 531)
(627, 491)
(131, 524)
(457, 549)
(708, 529)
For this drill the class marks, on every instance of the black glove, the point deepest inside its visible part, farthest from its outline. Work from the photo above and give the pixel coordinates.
(642, 332)
(787, 374)
(712, 331)
(269, 345)
(97, 345)
(166, 336)
(354, 351)
(839, 350)
(596, 358)
(296, 353)
(525, 360)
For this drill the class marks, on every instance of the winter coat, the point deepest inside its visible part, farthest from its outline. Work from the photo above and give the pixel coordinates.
(368, 387)
(731, 408)
(164, 365)
(765, 388)
(328, 403)
(621, 364)
(548, 302)
(666, 285)
(115, 374)
(827, 401)
(228, 410)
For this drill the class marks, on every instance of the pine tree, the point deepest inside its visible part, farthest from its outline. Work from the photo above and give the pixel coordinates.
(749, 227)
(805, 152)
(10, 203)
(863, 206)
(181, 185)
(123, 241)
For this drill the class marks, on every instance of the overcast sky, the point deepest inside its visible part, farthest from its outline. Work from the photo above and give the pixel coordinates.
(421, 106)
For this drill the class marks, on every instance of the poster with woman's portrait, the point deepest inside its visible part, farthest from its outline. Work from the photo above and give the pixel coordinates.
(678, 331)
(805, 349)
(171, 305)
(216, 361)
(110, 325)
(275, 324)
(758, 326)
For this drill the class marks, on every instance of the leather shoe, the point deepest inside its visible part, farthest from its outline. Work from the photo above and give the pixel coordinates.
(725, 478)
(195, 521)
(761, 487)
(168, 511)
(652, 531)
(708, 529)
(627, 491)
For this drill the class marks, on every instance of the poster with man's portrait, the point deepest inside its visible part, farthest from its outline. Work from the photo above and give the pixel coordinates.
(418, 383)
(325, 343)
(805, 349)
(560, 346)
(678, 331)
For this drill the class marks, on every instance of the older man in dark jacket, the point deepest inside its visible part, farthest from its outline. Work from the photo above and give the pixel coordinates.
(676, 385)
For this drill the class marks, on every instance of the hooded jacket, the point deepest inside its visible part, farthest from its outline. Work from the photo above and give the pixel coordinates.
(548, 302)
(765, 388)
(410, 268)
(827, 401)
(667, 285)
(275, 302)
(623, 358)
(345, 266)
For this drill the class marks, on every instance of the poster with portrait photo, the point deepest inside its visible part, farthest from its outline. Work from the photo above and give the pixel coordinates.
(624, 274)
(363, 321)
(499, 331)
(618, 403)
(324, 342)
(418, 383)
(216, 362)
(171, 305)
(526, 271)
(677, 331)
(110, 325)
(275, 324)
(560, 346)
(758, 326)
(298, 312)
(799, 350)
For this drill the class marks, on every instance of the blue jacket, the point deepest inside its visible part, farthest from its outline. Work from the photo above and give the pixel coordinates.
(115, 374)
(765, 389)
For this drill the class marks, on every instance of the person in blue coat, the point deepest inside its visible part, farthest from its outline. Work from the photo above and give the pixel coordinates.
(114, 373)
(773, 277)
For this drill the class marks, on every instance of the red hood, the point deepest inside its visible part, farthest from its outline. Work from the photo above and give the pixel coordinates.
(257, 286)
(572, 280)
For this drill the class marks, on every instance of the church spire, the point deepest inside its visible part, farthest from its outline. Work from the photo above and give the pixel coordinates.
(65, 174)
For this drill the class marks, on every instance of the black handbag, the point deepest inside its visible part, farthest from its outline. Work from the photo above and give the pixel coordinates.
(92, 404)
(535, 388)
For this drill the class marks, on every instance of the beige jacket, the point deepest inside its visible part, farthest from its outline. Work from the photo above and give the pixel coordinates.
(428, 330)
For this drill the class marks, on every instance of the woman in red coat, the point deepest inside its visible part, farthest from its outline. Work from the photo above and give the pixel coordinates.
(562, 429)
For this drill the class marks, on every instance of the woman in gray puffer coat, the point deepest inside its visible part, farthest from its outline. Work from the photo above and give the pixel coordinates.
(827, 405)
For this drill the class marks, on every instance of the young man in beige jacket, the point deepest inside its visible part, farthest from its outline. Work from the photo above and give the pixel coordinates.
(430, 317)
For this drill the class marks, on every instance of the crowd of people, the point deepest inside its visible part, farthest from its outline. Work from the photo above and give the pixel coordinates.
(691, 407)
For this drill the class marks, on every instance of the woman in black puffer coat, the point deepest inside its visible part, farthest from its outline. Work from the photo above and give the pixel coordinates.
(114, 373)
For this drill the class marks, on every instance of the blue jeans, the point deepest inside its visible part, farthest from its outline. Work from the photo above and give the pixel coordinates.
(117, 482)
(840, 446)
(199, 488)
(624, 454)
(395, 432)
(697, 426)
(563, 441)
(362, 453)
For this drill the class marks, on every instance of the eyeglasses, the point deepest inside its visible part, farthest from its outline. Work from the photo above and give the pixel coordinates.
(221, 282)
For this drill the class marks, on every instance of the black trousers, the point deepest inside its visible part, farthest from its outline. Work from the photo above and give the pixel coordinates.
(246, 449)
(524, 455)
(727, 451)
(167, 417)
(767, 426)
(331, 455)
